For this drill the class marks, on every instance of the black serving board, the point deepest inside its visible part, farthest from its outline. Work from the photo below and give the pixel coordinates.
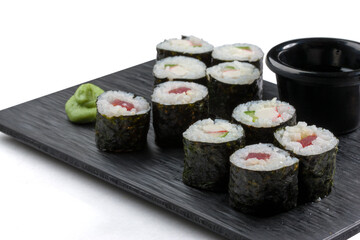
(155, 174)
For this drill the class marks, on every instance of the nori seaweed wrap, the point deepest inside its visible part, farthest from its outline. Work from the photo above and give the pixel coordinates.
(176, 105)
(263, 180)
(122, 122)
(261, 118)
(242, 52)
(180, 68)
(316, 148)
(231, 84)
(208, 145)
(188, 46)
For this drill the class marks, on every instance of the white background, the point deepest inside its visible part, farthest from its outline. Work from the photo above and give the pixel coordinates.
(46, 46)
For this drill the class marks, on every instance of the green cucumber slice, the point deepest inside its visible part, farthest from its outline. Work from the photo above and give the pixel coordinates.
(251, 114)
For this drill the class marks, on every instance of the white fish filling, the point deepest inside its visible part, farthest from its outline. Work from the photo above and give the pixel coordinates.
(161, 93)
(234, 73)
(290, 138)
(276, 158)
(179, 67)
(239, 52)
(213, 131)
(263, 113)
(190, 44)
(105, 104)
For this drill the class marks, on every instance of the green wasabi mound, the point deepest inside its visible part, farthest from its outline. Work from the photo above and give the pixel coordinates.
(81, 107)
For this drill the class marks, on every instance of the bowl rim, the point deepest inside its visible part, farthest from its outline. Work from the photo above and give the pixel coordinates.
(313, 77)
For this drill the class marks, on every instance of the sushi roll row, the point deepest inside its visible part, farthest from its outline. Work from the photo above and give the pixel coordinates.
(188, 60)
(191, 46)
(233, 76)
(261, 179)
(265, 179)
(122, 120)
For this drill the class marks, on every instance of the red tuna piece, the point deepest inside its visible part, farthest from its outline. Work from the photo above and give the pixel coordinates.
(124, 104)
(179, 90)
(260, 156)
(307, 141)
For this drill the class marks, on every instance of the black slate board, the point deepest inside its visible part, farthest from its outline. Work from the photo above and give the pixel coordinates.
(155, 174)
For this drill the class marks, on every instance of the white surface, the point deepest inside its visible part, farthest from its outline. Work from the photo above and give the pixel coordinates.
(46, 46)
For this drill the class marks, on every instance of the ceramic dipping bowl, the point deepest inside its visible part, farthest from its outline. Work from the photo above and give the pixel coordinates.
(320, 77)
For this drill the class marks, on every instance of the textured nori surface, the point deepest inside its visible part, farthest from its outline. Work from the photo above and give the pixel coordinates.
(206, 165)
(225, 97)
(263, 193)
(204, 57)
(123, 133)
(258, 63)
(263, 135)
(155, 174)
(170, 121)
(316, 174)
(202, 81)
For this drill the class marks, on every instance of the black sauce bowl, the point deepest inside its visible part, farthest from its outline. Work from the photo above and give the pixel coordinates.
(320, 77)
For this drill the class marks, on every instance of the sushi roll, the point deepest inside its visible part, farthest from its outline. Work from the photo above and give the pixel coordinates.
(316, 149)
(231, 84)
(241, 52)
(122, 122)
(208, 145)
(177, 105)
(263, 180)
(180, 69)
(261, 118)
(188, 46)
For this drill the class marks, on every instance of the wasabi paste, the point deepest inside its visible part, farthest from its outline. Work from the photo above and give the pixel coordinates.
(81, 107)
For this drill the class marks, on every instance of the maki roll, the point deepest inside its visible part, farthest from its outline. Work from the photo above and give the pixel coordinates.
(231, 84)
(180, 69)
(177, 105)
(261, 118)
(122, 122)
(263, 180)
(208, 145)
(188, 46)
(316, 149)
(241, 52)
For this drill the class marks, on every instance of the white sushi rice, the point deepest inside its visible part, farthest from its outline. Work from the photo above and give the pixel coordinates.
(105, 107)
(289, 138)
(161, 93)
(231, 52)
(234, 73)
(190, 44)
(186, 68)
(268, 113)
(199, 131)
(278, 158)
